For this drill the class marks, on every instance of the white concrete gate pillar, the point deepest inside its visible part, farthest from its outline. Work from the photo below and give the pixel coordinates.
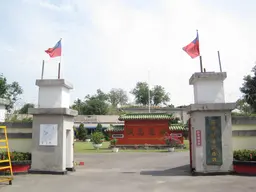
(52, 132)
(211, 128)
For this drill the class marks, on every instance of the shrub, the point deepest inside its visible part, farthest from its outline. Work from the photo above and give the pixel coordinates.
(245, 155)
(81, 132)
(113, 142)
(97, 138)
(16, 156)
(99, 128)
(107, 138)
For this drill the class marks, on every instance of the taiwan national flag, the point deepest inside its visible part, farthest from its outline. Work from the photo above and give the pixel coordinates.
(192, 49)
(55, 51)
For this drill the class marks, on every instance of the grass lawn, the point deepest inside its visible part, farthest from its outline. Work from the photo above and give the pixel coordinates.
(84, 147)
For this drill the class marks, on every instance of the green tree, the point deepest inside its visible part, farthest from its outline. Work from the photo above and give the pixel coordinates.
(93, 104)
(10, 92)
(117, 96)
(81, 132)
(249, 89)
(243, 106)
(79, 105)
(99, 128)
(159, 95)
(140, 93)
(24, 109)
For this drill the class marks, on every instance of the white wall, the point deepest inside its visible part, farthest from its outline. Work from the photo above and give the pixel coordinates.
(20, 145)
(244, 142)
(240, 143)
(209, 91)
(65, 97)
(53, 97)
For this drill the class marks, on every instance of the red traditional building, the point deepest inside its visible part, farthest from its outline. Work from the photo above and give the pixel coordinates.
(143, 129)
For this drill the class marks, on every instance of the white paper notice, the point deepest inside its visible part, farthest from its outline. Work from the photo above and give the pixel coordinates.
(48, 134)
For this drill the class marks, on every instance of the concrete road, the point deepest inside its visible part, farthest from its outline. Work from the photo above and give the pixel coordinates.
(131, 172)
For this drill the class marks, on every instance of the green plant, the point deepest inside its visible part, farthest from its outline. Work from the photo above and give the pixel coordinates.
(81, 132)
(113, 142)
(99, 128)
(107, 138)
(97, 137)
(16, 156)
(245, 155)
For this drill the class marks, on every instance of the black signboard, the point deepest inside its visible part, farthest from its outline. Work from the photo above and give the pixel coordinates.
(213, 138)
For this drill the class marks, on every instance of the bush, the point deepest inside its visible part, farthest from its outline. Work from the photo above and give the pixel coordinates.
(16, 156)
(97, 138)
(81, 132)
(107, 138)
(245, 155)
(113, 142)
(99, 128)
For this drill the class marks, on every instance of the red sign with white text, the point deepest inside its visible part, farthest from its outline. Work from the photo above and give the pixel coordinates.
(198, 138)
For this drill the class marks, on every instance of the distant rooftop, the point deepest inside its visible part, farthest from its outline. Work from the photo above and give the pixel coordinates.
(173, 127)
(146, 116)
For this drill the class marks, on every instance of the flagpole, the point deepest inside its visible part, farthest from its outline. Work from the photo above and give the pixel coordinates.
(219, 61)
(42, 74)
(201, 64)
(200, 57)
(148, 93)
(59, 63)
(59, 71)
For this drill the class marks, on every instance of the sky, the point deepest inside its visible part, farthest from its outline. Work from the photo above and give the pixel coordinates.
(116, 43)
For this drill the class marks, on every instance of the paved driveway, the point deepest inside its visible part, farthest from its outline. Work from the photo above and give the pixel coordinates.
(131, 172)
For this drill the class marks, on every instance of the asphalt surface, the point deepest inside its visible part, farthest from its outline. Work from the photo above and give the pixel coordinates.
(131, 172)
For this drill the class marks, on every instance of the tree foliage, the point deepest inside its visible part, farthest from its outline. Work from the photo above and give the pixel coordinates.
(243, 106)
(158, 95)
(24, 109)
(81, 132)
(92, 104)
(10, 92)
(117, 96)
(141, 92)
(107, 103)
(99, 128)
(79, 106)
(249, 89)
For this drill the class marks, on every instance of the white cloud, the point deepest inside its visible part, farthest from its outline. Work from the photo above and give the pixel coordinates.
(110, 44)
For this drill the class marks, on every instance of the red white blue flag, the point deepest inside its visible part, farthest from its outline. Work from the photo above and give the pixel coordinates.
(55, 51)
(192, 49)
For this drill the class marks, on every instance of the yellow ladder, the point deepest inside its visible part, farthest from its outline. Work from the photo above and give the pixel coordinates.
(8, 160)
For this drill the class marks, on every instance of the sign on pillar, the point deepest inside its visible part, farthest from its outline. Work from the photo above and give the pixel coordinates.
(213, 140)
(198, 138)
